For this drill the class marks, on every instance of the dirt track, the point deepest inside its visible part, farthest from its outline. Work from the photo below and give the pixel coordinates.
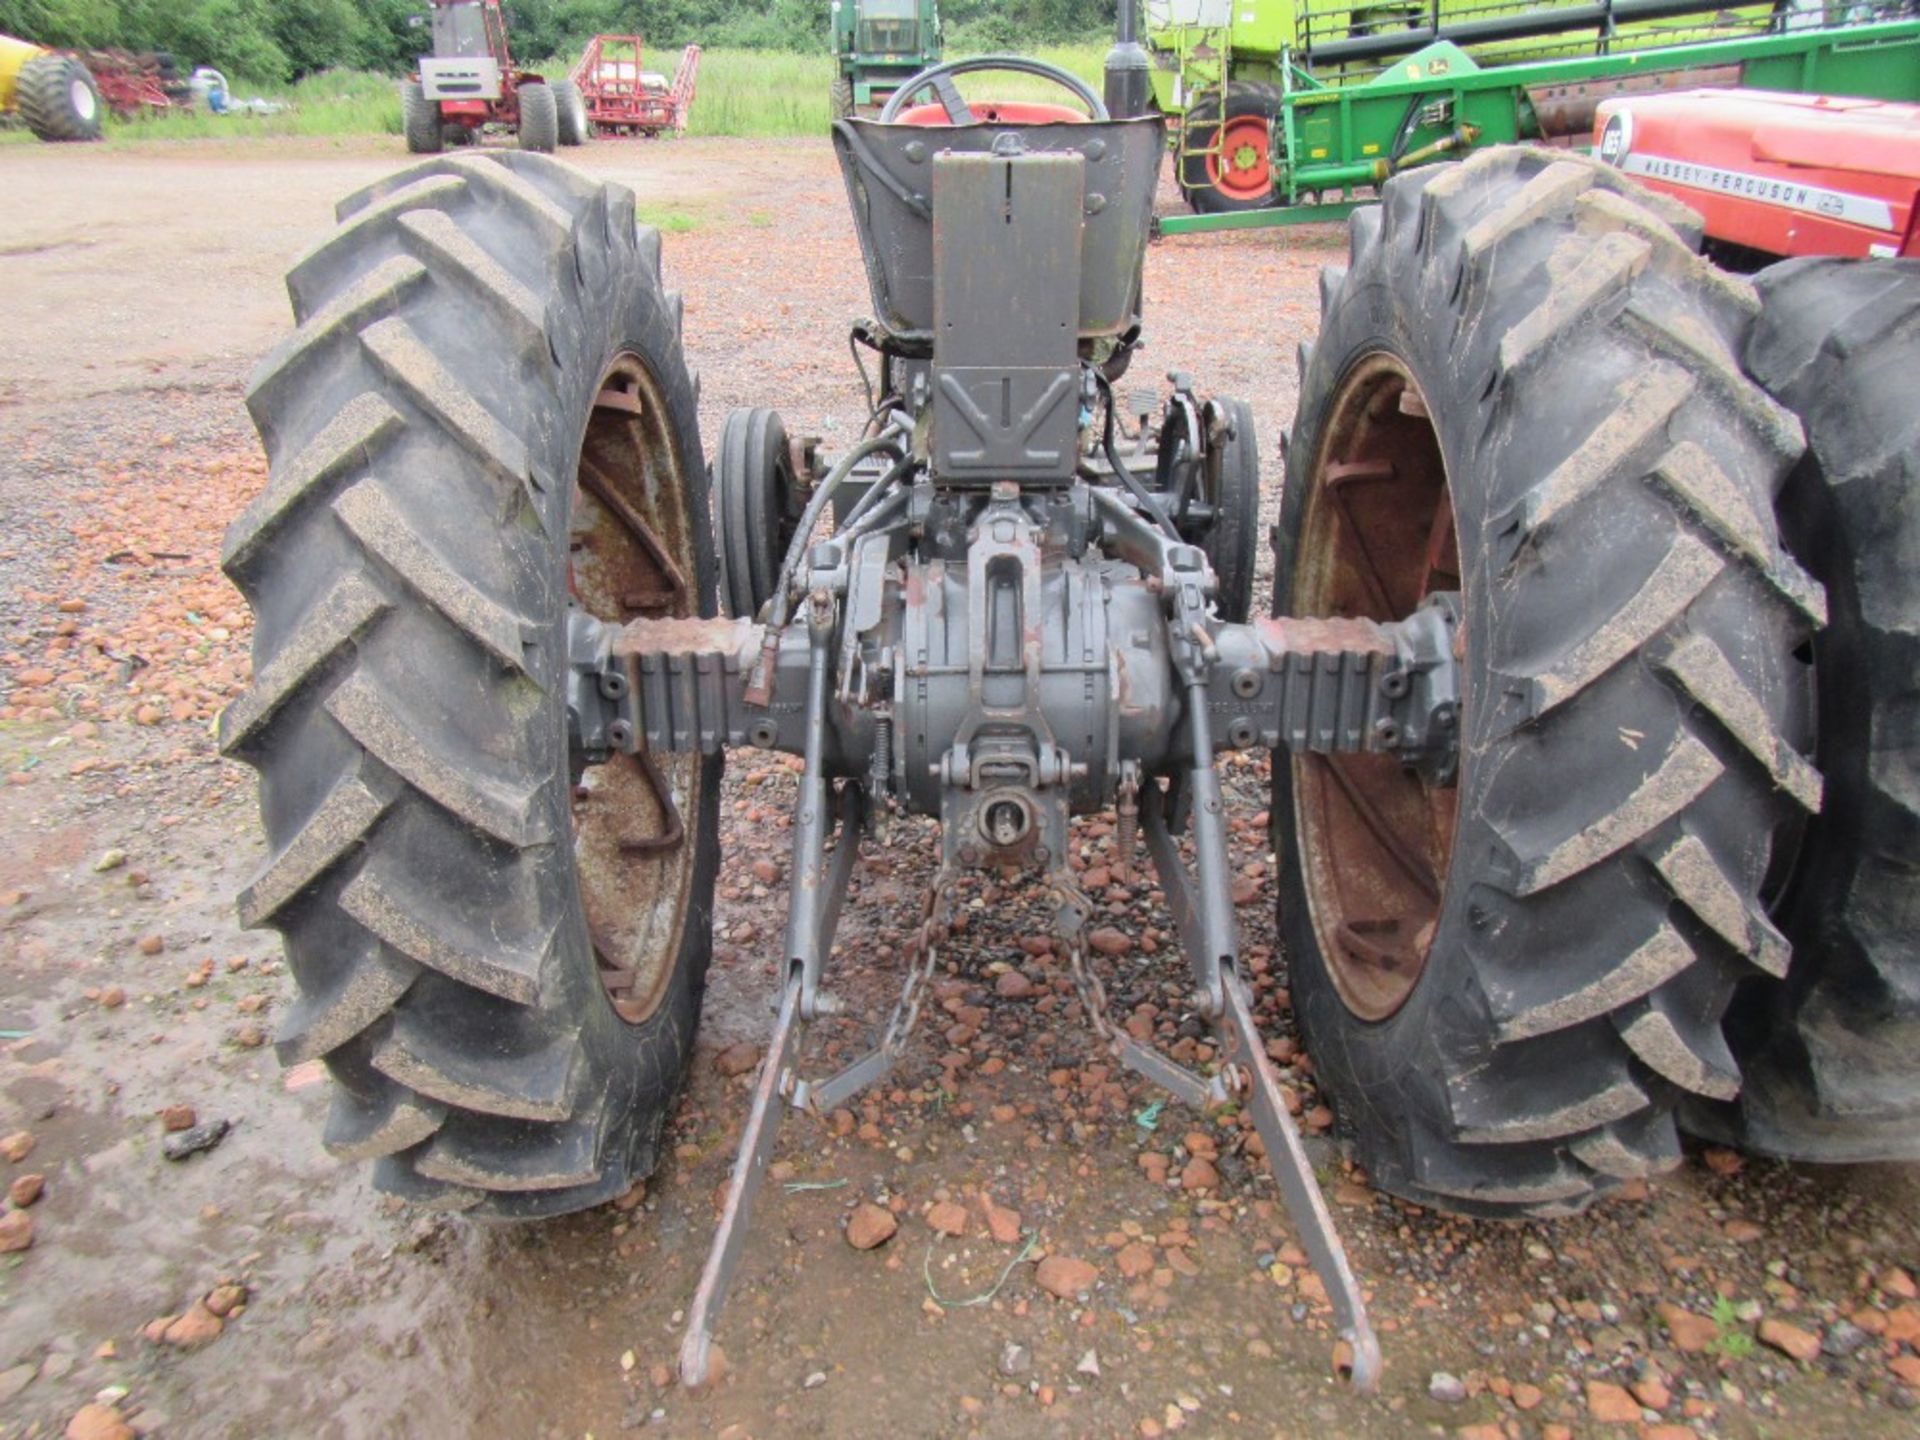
(140, 287)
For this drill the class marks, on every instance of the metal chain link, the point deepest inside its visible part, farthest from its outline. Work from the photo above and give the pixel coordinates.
(1093, 994)
(906, 1010)
(1086, 983)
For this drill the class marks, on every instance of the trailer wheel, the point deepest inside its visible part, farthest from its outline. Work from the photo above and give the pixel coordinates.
(571, 108)
(1525, 390)
(57, 98)
(483, 419)
(1832, 1055)
(840, 98)
(419, 119)
(539, 118)
(1239, 175)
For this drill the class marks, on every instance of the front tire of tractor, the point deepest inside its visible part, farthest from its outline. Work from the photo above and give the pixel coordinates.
(840, 99)
(419, 119)
(1233, 490)
(571, 108)
(1832, 1055)
(1525, 390)
(1241, 175)
(758, 501)
(57, 99)
(539, 118)
(484, 418)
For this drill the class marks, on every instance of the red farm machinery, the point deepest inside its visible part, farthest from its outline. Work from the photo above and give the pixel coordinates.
(623, 97)
(470, 81)
(1776, 175)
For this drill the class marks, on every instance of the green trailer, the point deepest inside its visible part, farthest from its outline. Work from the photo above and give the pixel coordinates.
(876, 45)
(1293, 110)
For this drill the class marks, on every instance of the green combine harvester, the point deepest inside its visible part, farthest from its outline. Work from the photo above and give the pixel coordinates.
(1290, 111)
(876, 45)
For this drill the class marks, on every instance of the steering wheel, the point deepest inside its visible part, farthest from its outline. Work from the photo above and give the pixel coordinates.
(939, 79)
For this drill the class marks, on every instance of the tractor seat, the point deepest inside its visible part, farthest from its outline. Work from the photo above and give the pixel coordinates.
(996, 112)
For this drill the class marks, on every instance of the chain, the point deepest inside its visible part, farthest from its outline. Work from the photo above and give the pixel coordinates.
(1086, 984)
(906, 1010)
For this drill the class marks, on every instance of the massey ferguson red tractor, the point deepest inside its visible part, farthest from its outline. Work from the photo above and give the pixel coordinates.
(470, 81)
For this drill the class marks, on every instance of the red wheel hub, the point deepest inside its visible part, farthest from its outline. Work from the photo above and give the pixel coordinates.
(1243, 169)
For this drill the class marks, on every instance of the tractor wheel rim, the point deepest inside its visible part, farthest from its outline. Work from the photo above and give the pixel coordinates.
(80, 96)
(1243, 169)
(1379, 536)
(632, 858)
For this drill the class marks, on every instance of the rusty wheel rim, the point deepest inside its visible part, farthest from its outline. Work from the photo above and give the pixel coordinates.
(630, 553)
(1379, 536)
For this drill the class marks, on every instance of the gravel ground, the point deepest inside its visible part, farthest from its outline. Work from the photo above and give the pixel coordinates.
(1730, 1298)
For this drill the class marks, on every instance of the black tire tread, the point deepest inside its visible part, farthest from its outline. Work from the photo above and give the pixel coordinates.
(1232, 541)
(571, 124)
(420, 120)
(42, 94)
(1568, 1041)
(413, 871)
(539, 119)
(1831, 1048)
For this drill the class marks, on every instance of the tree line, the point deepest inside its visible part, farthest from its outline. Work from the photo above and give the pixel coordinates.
(278, 40)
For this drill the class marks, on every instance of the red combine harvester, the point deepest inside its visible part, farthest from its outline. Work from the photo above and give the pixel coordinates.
(1776, 175)
(623, 98)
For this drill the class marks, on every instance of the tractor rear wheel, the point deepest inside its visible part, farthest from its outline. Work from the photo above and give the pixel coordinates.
(539, 118)
(483, 419)
(1525, 391)
(1832, 1055)
(574, 127)
(57, 98)
(1226, 159)
(419, 119)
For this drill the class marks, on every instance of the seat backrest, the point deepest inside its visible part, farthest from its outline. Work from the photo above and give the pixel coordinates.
(889, 174)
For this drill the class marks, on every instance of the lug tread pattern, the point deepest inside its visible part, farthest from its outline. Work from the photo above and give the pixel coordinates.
(334, 831)
(378, 525)
(361, 430)
(401, 684)
(341, 616)
(1638, 876)
(1831, 1050)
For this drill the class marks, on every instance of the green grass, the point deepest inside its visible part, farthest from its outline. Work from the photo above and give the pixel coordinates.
(670, 219)
(751, 93)
(333, 103)
(1733, 1341)
(757, 92)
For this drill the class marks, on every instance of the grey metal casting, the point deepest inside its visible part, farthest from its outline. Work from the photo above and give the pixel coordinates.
(1013, 623)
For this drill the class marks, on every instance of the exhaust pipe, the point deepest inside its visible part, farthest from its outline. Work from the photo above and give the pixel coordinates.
(1128, 91)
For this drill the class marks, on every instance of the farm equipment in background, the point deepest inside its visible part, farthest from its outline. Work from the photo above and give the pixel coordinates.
(622, 97)
(1285, 103)
(876, 45)
(53, 93)
(133, 84)
(1776, 175)
(470, 81)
